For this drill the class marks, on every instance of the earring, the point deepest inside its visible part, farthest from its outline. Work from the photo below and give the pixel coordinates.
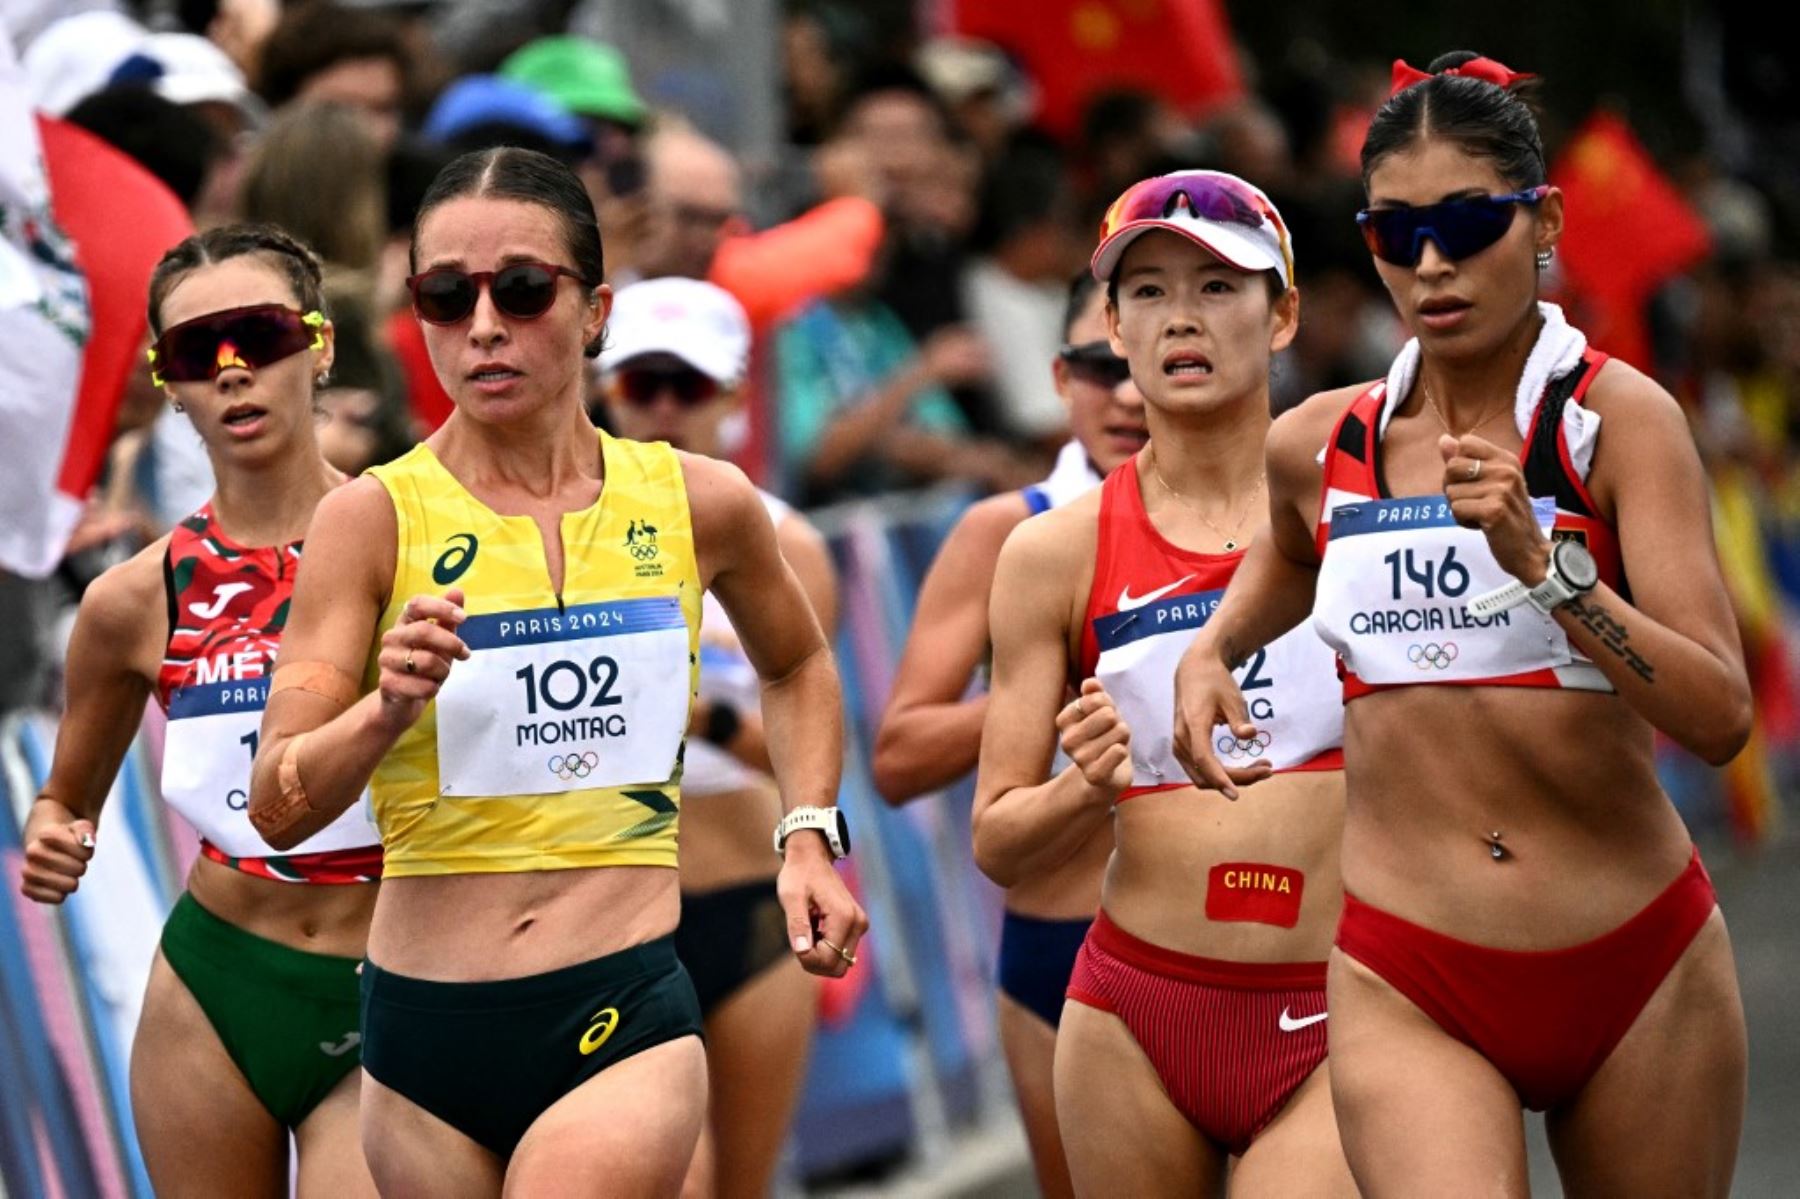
(322, 378)
(178, 405)
(1543, 259)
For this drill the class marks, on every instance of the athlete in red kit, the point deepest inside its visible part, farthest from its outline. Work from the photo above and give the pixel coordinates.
(1195, 1030)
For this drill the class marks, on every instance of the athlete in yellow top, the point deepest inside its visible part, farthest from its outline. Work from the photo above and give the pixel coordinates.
(502, 626)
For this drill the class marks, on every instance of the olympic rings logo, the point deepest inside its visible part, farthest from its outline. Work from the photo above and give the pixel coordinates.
(643, 553)
(573, 766)
(1432, 655)
(1238, 748)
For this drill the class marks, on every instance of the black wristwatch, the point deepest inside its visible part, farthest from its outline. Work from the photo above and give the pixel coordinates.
(722, 723)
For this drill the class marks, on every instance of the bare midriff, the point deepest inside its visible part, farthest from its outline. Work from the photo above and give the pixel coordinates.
(1566, 778)
(1170, 841)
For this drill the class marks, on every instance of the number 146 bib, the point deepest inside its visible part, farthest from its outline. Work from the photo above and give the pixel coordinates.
(554, 700)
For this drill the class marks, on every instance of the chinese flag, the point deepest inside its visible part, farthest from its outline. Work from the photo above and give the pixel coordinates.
(1628, 230)
(1180, 50)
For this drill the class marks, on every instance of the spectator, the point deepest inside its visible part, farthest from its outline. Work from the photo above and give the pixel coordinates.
(986, 96)
(237, 27)
(593, 81)
(481, 111)
(1017, 290)
(697, 229)
(321, 52)
(319, 174)
(863, 408)
(172, 143)
(929, 187)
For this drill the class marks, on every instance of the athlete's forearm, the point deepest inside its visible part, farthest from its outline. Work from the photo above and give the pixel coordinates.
(1677, 684)
(1027, 831)
(1269, 594)
(803, 722)
(323, 776)
(923, 747)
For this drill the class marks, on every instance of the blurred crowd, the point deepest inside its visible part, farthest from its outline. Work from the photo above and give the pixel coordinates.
(903, 242)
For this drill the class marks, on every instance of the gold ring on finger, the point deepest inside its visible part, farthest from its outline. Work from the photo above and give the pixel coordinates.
(849, 958)
(409, 666)
(1475, 470)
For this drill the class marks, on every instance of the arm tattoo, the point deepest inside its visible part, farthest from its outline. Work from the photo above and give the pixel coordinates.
(1612, 634)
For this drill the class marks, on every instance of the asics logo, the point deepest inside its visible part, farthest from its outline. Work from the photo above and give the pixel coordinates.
(222, 595)
(1289, 1024)
(1128, 601)
(605, 1020)
(350, 1041)
(1243, 747)
(454, 561)
(573, 766)
(1432, 655)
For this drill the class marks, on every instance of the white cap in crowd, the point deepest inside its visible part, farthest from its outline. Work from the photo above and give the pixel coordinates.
(694, 321)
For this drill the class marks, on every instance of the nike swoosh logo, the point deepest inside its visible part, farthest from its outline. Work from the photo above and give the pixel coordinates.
(222, 595)
(1128, 601)
(350, 1041)
(1289, 1024)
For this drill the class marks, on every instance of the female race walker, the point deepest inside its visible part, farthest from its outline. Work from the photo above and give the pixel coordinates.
(676, 351)
(931, 734)
(1195, 1028)
(519, 600)
(249, 1025)
(1526, 918)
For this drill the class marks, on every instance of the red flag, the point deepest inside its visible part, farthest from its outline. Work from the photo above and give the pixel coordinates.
(121, 219)
(1627, 231)
(1180, 50)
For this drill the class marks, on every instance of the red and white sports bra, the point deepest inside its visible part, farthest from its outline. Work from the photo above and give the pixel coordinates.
(1148, 599)
(1396, 574)
(228, 604)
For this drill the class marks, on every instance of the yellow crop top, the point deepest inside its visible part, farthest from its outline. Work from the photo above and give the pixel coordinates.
(558, 744)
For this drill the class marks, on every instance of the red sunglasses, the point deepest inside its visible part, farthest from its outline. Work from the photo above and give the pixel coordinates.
(524, 291)
(251, 338)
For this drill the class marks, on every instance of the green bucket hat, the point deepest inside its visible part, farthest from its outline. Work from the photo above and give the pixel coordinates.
(586, 78)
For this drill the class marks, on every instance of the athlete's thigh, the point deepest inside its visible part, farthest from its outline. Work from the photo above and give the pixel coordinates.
(1298, 1154)
(1663, 1114)
(328, 1144)
(202, 1129)
(629, 1131)
(702, 1172)
(414, 1155)
(1030, 1047)
(757, 1042)
(1122, 1133)
(1420, 1113)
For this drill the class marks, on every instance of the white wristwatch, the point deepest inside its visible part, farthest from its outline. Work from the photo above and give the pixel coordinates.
(829, 821)
(1572, 574)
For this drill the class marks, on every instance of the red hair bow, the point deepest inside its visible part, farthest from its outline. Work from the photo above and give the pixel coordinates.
(1485, 69)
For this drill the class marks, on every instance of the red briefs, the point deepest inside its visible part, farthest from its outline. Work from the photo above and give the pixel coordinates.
(1231, 1041)
(1546, 1019)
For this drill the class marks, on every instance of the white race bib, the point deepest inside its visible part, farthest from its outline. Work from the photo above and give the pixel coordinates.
(207, 751)
(1290, 689)
(1393, 597)
(555, 700)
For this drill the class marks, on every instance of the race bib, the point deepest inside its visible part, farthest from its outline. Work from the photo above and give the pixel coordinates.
(1394, 590)
(1289, 689)
(207, 752)
(555, 700)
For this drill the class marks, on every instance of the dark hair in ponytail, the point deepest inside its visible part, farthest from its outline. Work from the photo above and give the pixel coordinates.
(512, 173)
(280, 249)
(1485, 119)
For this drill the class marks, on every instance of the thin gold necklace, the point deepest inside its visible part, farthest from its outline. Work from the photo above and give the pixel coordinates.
(1439, 413)
(1230, 539)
